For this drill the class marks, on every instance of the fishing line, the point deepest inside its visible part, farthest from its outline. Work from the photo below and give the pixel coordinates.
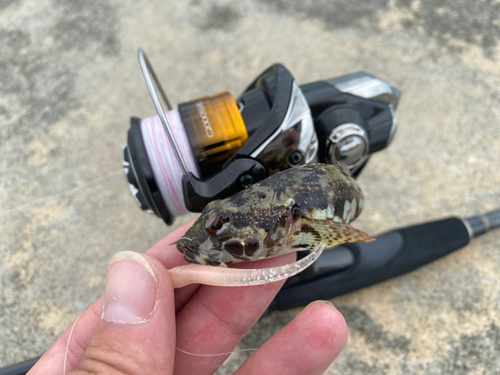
(179, 349)
(166, 169)
(67, 344)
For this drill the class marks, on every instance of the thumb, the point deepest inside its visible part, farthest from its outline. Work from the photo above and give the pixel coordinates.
(136, 332)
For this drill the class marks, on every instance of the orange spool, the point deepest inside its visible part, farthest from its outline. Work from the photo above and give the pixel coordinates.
(215, 130)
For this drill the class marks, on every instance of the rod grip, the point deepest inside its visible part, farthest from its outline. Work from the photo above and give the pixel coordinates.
(19, 368)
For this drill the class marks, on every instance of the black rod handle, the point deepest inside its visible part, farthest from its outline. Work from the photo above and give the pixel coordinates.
(19, 368)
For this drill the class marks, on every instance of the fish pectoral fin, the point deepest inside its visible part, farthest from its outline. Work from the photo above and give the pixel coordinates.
(309, 233)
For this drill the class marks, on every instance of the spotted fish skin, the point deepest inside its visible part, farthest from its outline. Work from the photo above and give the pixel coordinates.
(293, 210)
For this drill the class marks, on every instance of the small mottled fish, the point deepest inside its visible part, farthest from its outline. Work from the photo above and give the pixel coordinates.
(296, 209)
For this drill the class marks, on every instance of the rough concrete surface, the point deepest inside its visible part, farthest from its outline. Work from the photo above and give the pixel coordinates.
(70, 80)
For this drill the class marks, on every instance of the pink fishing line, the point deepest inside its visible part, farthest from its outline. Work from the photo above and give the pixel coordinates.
(166, 169)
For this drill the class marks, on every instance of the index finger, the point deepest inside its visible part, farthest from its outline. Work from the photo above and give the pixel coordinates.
(215, 319)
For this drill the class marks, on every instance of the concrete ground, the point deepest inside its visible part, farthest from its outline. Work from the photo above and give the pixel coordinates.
(70, 80)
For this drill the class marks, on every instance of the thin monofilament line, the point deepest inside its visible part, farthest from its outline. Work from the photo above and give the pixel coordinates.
(217, 354)
(67, 344)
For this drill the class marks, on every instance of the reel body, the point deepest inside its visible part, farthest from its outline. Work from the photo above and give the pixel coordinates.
(218, 146)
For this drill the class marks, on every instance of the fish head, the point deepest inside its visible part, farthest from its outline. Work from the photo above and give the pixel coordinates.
(217, 236)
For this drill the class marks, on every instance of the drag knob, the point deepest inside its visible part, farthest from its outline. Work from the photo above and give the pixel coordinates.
(343, 137)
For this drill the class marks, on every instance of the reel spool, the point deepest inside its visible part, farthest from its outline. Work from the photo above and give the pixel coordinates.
(212, 147)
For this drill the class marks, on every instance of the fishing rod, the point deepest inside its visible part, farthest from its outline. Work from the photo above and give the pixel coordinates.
(213, 147)
(353, 266)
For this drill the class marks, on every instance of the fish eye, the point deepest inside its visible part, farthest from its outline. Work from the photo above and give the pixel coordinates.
(217, 224)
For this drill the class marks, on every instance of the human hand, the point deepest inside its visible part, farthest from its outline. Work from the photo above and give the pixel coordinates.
(142, 326)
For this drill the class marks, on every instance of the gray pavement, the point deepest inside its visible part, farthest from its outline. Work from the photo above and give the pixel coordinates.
(69, 81)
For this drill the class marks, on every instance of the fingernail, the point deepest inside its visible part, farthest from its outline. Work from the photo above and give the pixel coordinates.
(130, 296)
(322, 301)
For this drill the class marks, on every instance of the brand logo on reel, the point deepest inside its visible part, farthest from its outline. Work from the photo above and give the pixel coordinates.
(204, 119)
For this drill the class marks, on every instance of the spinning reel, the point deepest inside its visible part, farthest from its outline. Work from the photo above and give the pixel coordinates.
(212, 147)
